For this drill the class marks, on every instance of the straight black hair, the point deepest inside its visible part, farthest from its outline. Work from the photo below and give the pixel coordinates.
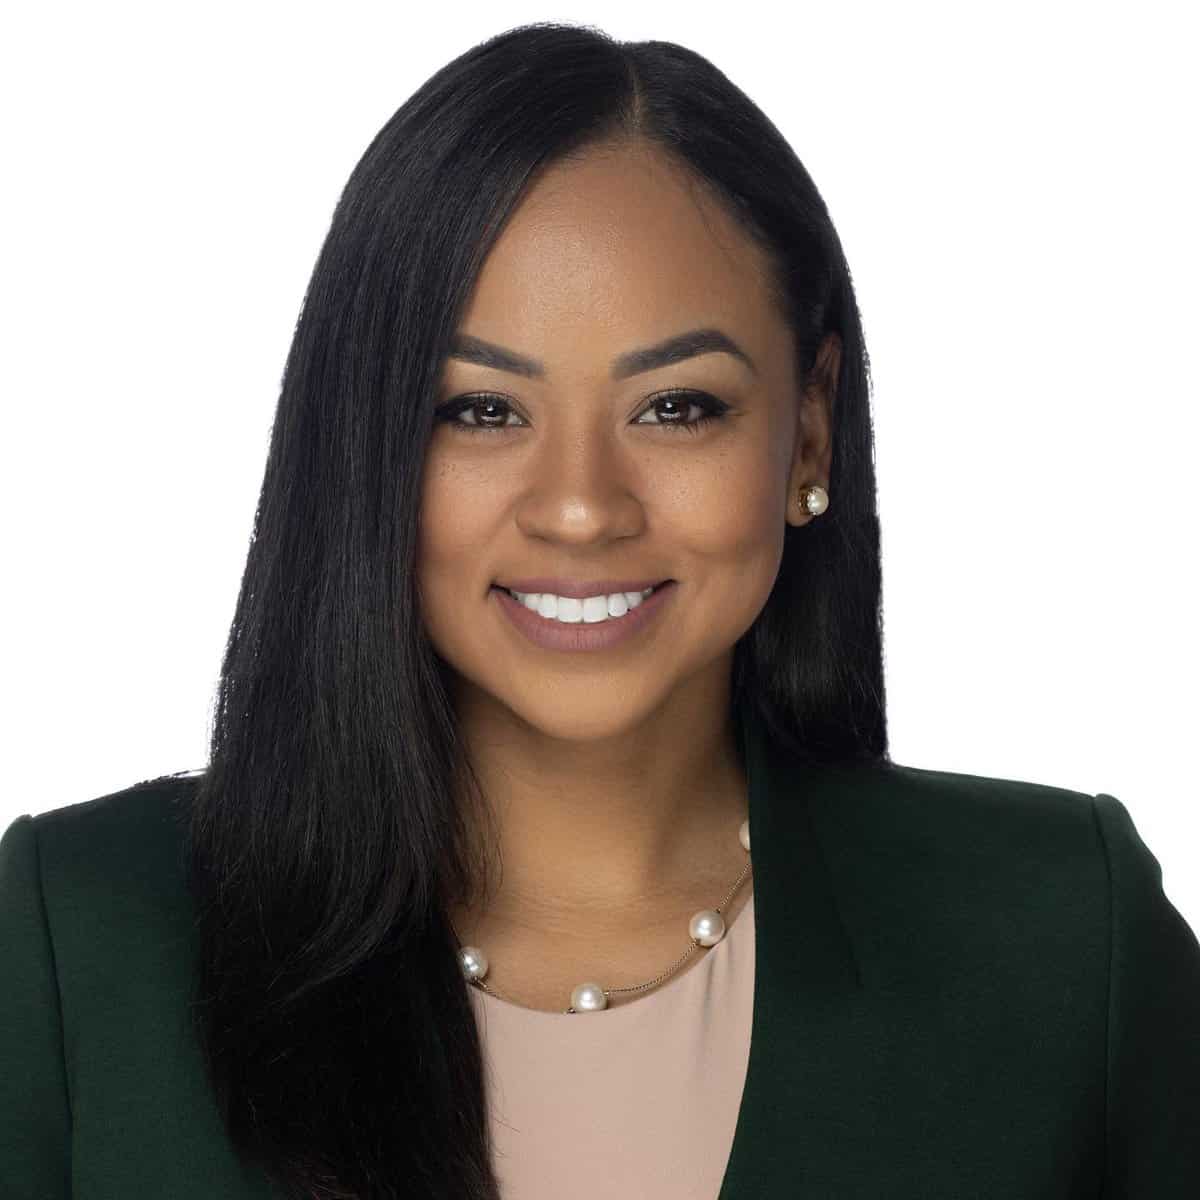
(327, 832)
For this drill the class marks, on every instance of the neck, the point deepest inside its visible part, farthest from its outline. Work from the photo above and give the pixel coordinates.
(610, 830)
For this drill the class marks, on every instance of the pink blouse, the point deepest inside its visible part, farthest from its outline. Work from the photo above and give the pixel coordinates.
(640, 1099)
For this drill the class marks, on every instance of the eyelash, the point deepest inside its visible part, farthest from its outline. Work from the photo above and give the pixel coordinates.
(714, 410)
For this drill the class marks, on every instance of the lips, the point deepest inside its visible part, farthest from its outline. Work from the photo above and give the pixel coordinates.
(551, 634)
(576, 589)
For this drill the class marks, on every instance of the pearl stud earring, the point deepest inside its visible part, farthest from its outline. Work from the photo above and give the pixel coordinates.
(814, 500)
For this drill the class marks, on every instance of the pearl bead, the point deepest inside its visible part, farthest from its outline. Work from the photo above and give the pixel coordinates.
(707, 927)
(473, 961)
(816, 500)
(589, 997)
(744, 835)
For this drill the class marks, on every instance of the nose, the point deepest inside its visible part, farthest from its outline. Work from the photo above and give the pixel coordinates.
(583, 488)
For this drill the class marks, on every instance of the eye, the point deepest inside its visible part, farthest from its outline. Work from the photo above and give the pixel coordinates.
(496, 406)
(681, 399)
(489, 411)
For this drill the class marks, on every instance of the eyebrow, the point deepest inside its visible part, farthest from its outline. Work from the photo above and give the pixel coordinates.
(634, 362)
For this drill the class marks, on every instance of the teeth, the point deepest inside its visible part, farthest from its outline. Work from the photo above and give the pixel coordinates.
(570, 610)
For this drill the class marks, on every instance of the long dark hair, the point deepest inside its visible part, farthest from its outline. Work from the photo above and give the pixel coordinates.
(326, 833)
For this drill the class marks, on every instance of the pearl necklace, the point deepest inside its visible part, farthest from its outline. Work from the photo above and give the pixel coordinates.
(706, 928)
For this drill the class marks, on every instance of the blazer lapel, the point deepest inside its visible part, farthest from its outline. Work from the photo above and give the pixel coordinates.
(806, 985)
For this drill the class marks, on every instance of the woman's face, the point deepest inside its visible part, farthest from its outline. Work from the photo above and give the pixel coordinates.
(581, 468)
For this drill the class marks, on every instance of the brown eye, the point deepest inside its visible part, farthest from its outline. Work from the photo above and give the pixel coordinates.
(672, 408)
(487, 410)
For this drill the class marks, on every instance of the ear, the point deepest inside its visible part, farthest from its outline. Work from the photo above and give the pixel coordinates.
(813, 448)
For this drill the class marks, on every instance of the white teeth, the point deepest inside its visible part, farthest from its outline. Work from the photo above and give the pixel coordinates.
(591, 610)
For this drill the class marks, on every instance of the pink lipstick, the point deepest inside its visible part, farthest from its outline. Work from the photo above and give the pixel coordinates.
(552, 634)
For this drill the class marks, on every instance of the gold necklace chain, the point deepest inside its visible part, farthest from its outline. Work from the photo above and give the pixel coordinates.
(640, 987)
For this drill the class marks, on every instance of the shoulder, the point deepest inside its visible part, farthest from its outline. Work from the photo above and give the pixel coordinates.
(134, 809)
(1021, 830)
(901, 810)
(105, 870)
(127, 831)
(96, 940)
(990, 865)
(932, 867)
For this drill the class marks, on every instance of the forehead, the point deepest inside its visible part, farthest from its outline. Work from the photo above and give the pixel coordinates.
(618, 243)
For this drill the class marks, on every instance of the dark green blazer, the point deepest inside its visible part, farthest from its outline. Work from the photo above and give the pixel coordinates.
(965, 987)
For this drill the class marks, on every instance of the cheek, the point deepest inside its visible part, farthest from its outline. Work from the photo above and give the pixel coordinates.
(455, 529)
(728, 514)
(455, 521)
(729, 532)
(447, 585)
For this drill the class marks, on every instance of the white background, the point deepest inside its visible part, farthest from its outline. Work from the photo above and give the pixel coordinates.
(1015, 188)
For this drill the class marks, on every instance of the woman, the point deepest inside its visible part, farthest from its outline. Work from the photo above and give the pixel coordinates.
(562, 603)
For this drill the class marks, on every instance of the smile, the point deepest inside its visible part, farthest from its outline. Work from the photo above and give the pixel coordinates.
(593, 623)
(590, 610)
